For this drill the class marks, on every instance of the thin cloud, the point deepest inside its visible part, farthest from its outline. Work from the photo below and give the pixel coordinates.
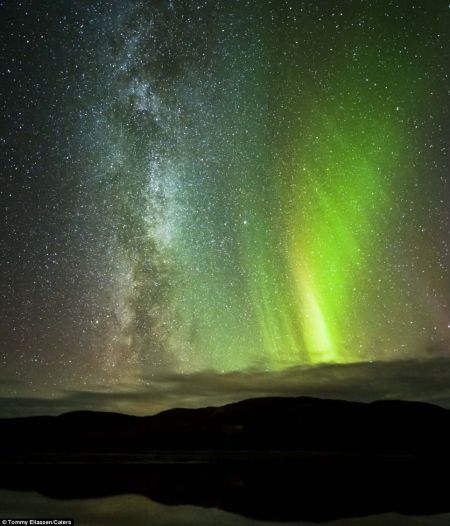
(424, 380)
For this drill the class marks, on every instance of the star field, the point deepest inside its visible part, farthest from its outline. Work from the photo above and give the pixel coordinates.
(221, 186)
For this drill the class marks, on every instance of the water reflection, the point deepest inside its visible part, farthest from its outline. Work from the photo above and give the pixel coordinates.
(316, 488)
(132, 510)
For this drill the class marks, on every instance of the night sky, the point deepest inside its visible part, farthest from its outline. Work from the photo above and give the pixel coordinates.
(236, 192)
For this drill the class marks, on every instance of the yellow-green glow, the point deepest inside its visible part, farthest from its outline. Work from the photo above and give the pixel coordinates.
(318, 340)
(342, 196)
(309, 183)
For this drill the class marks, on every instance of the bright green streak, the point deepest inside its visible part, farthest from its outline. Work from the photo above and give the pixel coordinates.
(343, 196)
(312, 274)
(325, 232)
(308, 277)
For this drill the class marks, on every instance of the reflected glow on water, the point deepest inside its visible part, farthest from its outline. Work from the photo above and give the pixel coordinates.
(134, 510)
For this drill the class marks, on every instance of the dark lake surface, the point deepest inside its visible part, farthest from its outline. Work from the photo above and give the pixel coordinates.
(227, 488)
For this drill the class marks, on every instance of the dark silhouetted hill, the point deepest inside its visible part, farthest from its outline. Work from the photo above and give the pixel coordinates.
(279, 459)
(262, 424)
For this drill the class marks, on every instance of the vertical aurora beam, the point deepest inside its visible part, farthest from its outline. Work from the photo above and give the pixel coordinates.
(318, 271)
(344, 198)
(312, 275)
(341, 193)
(290, 170)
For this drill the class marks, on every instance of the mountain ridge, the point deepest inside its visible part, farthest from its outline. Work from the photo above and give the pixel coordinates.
(266, 423)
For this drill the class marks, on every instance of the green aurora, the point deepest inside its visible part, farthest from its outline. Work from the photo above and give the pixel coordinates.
(217, 186)
(319, 174)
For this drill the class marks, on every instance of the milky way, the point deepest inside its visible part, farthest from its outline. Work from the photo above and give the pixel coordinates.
(221, 186)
